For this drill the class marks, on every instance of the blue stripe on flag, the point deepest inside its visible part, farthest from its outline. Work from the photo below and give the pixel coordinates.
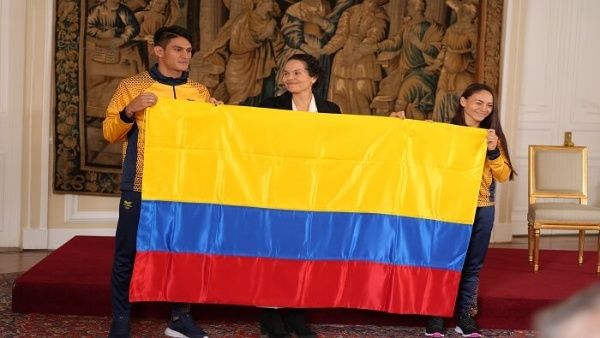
(304, 235)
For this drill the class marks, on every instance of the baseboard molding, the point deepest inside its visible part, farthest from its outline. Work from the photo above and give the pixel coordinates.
(35, 239)
(53, 238)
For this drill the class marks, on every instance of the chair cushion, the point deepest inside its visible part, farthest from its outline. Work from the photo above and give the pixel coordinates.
(566, 212)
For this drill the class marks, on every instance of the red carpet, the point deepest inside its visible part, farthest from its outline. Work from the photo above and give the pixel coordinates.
(75, 279)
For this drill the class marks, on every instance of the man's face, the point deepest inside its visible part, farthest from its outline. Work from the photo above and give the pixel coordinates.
(175, 57)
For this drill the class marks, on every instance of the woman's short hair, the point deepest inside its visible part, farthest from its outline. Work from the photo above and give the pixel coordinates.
(312, 64)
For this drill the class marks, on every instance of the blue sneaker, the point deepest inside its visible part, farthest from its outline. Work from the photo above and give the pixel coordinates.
(183, 326)
(119, 328)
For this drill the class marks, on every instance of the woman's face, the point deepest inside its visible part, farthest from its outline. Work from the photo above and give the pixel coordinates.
(296, 78)
(477, 107)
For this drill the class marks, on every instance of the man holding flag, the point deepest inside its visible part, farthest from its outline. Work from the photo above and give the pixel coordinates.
(124, 122)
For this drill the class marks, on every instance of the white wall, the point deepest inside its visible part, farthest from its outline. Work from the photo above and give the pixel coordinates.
(547, 87)
(12, 48)
(37, 115)
(556, 72)
(47, 219)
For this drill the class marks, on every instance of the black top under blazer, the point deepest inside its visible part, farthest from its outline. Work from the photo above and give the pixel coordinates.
(285, 102)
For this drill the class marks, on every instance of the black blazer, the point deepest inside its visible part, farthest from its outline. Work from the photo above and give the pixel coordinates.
(285, 102)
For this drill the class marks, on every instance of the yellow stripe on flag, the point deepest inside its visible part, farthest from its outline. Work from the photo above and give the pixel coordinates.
(279, 159)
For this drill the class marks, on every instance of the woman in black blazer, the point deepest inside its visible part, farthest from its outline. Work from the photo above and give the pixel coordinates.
(300, 73)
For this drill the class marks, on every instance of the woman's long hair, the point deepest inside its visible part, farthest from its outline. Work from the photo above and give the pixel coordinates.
(492, 121)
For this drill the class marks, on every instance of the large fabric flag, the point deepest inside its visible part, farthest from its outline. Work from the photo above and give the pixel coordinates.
(279, 208)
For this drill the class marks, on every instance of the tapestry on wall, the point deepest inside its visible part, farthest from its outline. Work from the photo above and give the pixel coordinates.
(99, 43)
(414, 55)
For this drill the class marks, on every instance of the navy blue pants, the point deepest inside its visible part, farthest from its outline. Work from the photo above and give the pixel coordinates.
(125, 239)
(125, 248)
(466, 304)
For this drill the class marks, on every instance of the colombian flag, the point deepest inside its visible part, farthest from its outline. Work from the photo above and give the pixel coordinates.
(263, 207)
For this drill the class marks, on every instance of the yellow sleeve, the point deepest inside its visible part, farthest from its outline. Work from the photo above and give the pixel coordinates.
(113, 127)
(202, 90)
(500, 167)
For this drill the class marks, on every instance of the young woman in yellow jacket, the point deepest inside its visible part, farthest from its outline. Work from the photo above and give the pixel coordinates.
(477, 109)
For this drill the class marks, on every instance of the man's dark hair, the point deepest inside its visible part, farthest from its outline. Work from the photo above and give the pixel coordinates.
(165, 34)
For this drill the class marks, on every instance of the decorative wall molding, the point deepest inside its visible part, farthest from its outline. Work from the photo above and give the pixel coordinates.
(4, 56)
(75, 216)
(12, 52)
(35, 239)
(552, 88)
(532, 134)
(533, 112)
(519, 228)
(4, 85)
(585, 109)
(38, 109)
(509, 89)
(2, 189)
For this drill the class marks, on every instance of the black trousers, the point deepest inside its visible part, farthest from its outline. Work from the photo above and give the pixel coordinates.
(125, 248)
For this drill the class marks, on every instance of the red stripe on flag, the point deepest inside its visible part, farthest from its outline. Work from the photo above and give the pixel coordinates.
(196, 278)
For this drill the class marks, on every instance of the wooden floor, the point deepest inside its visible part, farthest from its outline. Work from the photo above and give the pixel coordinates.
(13, 261)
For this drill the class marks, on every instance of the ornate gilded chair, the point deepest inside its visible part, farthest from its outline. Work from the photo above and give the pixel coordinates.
(558, 176)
